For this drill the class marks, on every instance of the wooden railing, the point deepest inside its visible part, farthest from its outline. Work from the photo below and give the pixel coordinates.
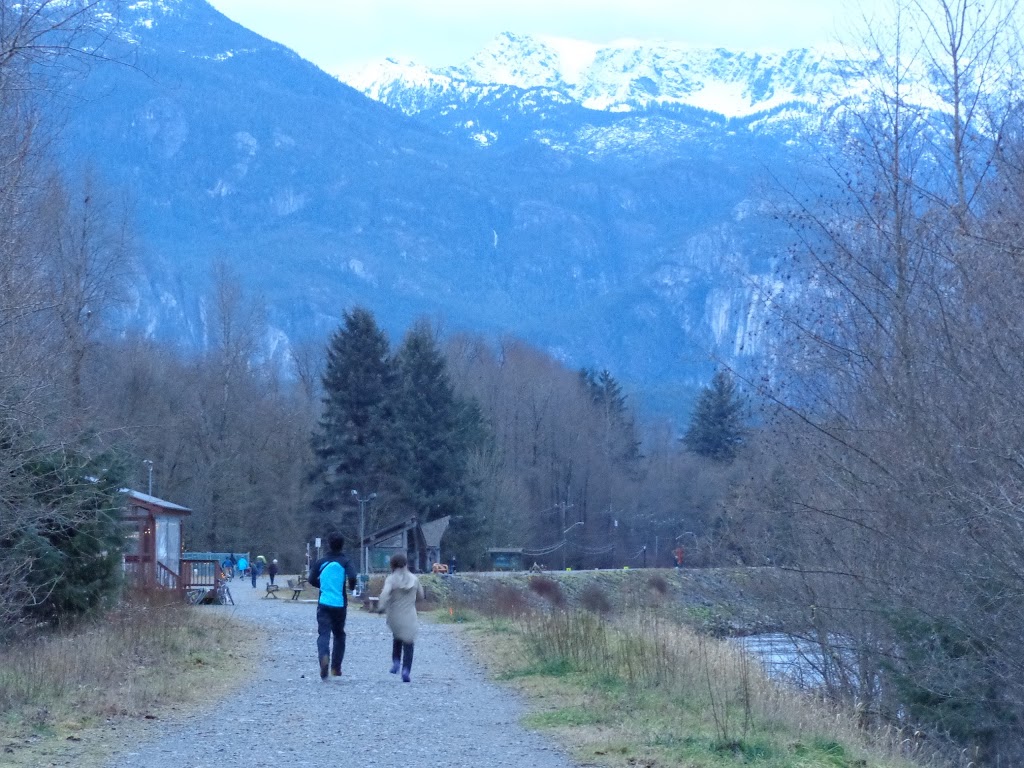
(199, 573)
(146, 574)
(165, 577)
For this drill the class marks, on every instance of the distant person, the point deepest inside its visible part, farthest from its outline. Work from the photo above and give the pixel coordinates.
(272, 570)
(333, 576)
(398, 601)
(243, 564)
(254, 571)
(451, 565)
(678, 555)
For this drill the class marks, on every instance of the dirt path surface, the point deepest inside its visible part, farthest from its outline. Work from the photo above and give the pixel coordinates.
(448, 715)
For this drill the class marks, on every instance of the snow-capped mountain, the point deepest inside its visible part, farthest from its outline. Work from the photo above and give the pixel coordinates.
(622, 77)
(617, 223)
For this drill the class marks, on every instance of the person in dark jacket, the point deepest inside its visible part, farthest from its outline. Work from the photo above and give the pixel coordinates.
(272, 570)
(334, 577)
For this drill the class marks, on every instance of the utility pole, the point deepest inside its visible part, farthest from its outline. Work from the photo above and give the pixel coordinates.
(565, 506)
(149, 468)
(615, 541)
(362, 527)
(565, 540)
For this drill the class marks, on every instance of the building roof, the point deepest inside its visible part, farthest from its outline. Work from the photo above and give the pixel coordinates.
(431, 532)
(434, 530)
(146, 500)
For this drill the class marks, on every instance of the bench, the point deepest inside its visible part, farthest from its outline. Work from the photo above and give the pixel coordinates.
(271, 591)
(296, 586)
(439, 568)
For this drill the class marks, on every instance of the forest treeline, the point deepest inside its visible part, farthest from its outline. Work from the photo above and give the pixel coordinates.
(876, 450)
(518, 449)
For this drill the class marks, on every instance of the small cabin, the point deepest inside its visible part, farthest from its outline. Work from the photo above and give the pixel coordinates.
(419, 542)
(152, 551)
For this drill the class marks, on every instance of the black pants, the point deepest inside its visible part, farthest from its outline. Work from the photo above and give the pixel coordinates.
(401, 652)
(331, 621)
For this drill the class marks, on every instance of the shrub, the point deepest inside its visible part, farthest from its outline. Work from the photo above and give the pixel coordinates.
(658, 583)
(549, 589)
(66, 550)
(506, 600)
(595, 600)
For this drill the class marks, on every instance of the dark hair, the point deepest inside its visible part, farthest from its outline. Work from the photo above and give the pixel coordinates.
(335, 542)
(398, 560)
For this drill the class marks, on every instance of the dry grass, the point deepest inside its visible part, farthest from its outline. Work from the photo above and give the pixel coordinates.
(92, 683)
(644, 691)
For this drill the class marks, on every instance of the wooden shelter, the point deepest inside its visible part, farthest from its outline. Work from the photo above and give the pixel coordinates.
(506, 558)
(420, 542)
(152, 552)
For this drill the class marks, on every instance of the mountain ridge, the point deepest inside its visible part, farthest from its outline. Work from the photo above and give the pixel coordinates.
(565, 230)
(620, 77)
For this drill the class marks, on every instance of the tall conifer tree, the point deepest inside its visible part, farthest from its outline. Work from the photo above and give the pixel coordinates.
(355, 444)
(716, 425)
(437, 430)
(619, 432)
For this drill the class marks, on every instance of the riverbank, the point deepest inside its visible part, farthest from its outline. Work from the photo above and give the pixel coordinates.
(721, 602)
(620, 683)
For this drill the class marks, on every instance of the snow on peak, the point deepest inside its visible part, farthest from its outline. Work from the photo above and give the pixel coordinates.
(620, 76)
(373, 79)
(518, 60)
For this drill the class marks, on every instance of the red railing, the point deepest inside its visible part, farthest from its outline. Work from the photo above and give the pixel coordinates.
(199, 573)
(145, 574)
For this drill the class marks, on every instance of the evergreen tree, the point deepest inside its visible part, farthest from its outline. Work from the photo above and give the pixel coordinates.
(619, 431)
(716, 425)
(437, 430)
(354, 447)
(73, 541)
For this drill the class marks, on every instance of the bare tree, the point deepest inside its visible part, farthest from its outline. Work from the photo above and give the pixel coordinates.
(895, 483)
(89, 268)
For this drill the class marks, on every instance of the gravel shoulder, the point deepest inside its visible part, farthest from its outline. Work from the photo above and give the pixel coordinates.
(449, 714)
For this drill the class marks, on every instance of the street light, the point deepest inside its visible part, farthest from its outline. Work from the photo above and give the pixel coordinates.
(362, 526)
(149, 467)
(565, 540)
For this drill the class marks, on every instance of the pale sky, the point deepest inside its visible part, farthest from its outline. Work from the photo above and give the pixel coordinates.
(341, 34)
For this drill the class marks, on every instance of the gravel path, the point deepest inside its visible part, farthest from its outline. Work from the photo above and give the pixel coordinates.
(448, 715)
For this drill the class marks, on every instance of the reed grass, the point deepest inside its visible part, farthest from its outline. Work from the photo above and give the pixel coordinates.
(643, 690)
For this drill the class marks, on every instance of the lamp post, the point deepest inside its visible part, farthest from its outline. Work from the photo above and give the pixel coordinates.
(565, 540)
(149, 468)
(362, 526)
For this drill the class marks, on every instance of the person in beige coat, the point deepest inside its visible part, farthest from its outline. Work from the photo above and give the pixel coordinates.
(398, 602)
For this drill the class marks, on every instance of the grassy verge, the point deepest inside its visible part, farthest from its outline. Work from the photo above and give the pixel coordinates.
(85, 691)
(640, 691)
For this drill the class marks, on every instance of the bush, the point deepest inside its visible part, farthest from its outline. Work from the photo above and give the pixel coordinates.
(508, 601)
(549, 589)
(67, 550)
(595, 600)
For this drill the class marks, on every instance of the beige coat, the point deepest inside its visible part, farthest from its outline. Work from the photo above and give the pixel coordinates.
(398, 601)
